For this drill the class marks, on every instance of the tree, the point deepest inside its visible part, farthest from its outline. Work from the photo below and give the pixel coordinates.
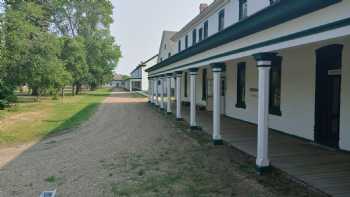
(48, 44)
(74, 58)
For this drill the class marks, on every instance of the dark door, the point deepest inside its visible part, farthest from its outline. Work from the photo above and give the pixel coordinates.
(328, 88)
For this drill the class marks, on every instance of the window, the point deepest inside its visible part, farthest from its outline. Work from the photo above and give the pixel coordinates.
(179, 45)
(194, 37)
(164, 46)
(274, 1)
(185, 84)
(243, 9)
(161, 59)
(200, 34)
(186, 42)
(275, 87)
(169, 54)
(205, 31)
(204, 85)
(241, 77)
(221, 20)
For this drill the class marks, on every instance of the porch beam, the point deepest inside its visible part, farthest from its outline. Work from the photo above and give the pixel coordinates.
(217, 68)
(264, 63)
(178, 96)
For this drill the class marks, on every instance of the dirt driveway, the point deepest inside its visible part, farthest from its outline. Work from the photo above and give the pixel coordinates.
(129, 148)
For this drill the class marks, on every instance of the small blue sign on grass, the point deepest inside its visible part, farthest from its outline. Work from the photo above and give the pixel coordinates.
(48, 194)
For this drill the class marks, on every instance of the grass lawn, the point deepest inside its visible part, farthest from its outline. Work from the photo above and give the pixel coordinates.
(29, 120)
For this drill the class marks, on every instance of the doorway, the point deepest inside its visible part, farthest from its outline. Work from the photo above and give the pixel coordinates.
(328, 92)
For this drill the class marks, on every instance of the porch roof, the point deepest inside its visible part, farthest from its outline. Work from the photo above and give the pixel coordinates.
(271, 16)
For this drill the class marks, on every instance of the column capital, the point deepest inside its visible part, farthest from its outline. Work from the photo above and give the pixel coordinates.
(264, 59)
(218, 67)
(169, 75)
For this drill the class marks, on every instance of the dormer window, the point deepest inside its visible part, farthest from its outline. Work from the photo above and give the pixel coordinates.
(205, 30)
(164, 46)
(243, 9)
(200, 33)
(179, 46)
(221, 20)
(186, 41)
(194, 37)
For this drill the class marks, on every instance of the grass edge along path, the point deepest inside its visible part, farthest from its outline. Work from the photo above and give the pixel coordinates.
(35, 120)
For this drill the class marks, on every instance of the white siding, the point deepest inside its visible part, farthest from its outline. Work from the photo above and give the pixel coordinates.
(231, 16)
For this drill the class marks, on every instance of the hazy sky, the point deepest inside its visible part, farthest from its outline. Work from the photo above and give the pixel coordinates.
(138, 26)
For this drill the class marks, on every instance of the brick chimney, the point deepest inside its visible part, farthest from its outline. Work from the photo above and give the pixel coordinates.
(202, 7)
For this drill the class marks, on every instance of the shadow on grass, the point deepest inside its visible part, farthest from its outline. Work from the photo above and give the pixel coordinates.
(76, 120)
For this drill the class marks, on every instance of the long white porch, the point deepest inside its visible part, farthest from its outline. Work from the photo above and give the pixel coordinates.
(322, 168)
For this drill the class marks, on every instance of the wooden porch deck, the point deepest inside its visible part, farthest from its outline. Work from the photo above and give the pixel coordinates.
(325, 169)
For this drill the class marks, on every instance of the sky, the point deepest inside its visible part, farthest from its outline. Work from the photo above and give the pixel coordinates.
(138, 26)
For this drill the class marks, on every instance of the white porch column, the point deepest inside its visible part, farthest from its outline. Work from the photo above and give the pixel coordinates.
(193, 118)
(168, 83)
(149, 90)
(178, 95)
(162, 93)
(217, 69)
(130, 86)
(264, 63)
(156, 91)
(153, 91)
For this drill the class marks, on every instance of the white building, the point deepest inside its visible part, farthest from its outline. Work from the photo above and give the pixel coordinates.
(139, 77)
(283, 65)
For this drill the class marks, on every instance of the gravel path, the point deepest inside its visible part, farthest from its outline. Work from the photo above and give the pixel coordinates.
(128, 148)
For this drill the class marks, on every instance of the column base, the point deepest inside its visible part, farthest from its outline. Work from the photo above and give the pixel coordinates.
(195, 128)
(179, 119)
(161, 109)
(262, 170)
(218, 142)
(168, 113)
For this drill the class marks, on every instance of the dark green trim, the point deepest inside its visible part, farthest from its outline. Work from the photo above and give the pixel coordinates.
(319, 29)
(218, 142)
(179, 119)
(193, 69)
(275, 86)
(241, 85)
(265, 56)
(264, 19)
(262, 170)
(220, 65)
(195, 128)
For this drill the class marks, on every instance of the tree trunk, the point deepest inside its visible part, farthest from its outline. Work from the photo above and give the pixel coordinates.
(73, 90)
(35, 91)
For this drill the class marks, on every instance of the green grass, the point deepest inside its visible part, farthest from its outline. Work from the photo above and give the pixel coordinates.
(29, 120)
(51, 179)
